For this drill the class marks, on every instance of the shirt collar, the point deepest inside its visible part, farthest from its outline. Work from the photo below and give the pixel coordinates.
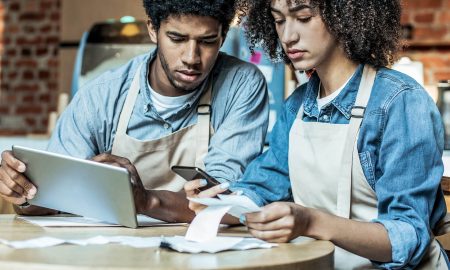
(343, 102)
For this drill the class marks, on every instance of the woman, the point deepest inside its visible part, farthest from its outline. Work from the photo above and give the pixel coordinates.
(358, 148)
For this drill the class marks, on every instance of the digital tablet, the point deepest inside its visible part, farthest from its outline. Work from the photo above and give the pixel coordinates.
(79, 186)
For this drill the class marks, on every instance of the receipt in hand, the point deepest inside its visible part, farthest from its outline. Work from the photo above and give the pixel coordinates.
(239, 204)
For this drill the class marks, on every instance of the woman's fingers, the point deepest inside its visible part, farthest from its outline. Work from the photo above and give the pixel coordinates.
(277, 236)
(213, 191)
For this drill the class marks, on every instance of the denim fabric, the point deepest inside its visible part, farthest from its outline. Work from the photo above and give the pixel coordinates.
(400, 146)
(239, 116)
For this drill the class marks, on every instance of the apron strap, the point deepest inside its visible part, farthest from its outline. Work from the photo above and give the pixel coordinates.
(203, 126)
(127, 109)
(357, 114)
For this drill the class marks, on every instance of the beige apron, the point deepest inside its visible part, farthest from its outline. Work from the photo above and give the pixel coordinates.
(154, 158)
(326, 174)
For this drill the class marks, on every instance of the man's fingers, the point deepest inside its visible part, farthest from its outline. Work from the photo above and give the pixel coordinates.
(10, 195)
(118, 162)
(8, 158)
(19, 183)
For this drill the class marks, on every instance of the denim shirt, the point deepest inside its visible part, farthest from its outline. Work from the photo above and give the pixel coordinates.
(400, 147)
(239, 116)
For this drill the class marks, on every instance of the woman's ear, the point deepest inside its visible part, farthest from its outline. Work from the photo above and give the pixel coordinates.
(152, 32)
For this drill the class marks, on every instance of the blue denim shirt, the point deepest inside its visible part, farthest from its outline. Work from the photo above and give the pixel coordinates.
(400, 146)
(239, 115)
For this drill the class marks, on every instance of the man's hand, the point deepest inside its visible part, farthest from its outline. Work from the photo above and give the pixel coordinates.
(139, 192)
(14, 186)
(278, 222)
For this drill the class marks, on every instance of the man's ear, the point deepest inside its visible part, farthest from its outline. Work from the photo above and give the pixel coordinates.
(152, 32)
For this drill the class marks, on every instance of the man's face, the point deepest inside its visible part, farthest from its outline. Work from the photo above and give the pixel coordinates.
(188, 47)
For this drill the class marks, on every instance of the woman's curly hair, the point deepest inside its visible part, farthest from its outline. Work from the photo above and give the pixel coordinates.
(222, 10)
(368, 31)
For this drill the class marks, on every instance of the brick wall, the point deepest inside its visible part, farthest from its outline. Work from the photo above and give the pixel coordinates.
(29, 39)
(430, 42)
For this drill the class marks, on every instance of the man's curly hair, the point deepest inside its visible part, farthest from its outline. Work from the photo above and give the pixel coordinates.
(222, 10)
(368, 31)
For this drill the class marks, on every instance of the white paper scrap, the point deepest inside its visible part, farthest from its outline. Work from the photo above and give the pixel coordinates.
(34, 243)
(215, 245)
(205, 225)
(77, 221)
(137, 242)
(178, 243)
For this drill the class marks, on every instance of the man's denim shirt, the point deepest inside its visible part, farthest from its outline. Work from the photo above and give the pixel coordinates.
(400, 147)
(239, 117)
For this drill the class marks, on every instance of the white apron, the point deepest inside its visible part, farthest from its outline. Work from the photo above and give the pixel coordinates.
(326, 174)
(154, 158)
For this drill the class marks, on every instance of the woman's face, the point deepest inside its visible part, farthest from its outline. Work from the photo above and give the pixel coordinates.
(302, 33)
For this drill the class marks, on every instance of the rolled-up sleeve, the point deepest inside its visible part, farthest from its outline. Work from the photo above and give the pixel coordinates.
(409, 172)
(239, 136)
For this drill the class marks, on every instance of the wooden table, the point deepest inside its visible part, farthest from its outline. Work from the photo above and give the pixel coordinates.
(303, 254)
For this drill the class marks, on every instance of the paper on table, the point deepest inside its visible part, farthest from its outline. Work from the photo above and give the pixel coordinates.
(215, 245)
(76, 221)
(177, 243)
(137, 242)
(205, 225)
(239, 204)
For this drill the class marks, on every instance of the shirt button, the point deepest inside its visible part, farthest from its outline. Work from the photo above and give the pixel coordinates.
(325, 118)
(166, 126)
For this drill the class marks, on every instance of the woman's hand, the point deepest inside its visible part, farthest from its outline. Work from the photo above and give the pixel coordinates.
(278, 222)
(192, 190)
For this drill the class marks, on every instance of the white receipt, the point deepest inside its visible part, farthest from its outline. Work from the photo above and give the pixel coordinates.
(215, 245)
(205, 225)
(137, 242)
(76, 221)
(177, 243)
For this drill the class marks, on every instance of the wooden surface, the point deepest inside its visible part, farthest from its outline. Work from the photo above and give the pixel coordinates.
(303, 254)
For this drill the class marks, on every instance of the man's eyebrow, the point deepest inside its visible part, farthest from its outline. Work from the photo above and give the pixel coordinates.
(172, 33)
(210, 36)
(176, 34)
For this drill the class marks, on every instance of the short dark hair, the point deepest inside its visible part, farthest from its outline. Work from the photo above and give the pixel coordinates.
(222, 10)
(369, 31)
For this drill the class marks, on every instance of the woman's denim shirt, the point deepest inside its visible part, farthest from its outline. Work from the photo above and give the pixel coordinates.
(400, 147)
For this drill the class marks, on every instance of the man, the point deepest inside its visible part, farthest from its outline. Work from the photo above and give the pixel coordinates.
(182, 104)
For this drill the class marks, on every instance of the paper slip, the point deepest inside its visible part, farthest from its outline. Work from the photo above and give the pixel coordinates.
(177, 243)
(205, 225)
(239, 204)
(137, 242)
(218, 244)
(76, 221)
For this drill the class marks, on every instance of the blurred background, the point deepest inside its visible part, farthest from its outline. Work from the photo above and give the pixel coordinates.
(48, 48)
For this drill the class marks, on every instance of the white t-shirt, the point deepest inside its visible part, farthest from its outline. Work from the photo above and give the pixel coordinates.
(166, 106)
(326, 100)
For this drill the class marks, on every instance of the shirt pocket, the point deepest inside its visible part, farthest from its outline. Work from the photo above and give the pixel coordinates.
(367, 167)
